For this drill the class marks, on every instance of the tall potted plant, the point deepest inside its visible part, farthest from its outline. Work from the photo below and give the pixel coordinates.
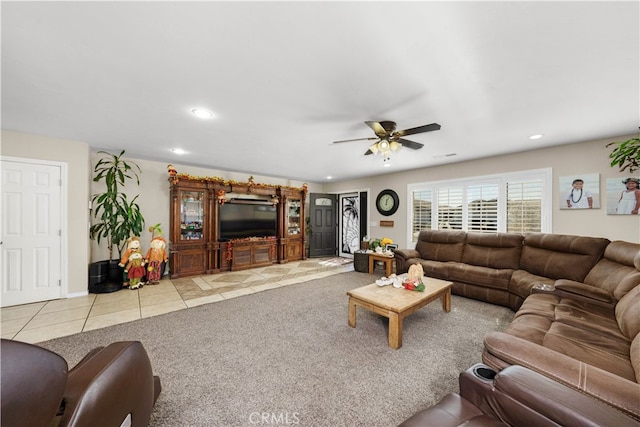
(626, 155)
(118, 218)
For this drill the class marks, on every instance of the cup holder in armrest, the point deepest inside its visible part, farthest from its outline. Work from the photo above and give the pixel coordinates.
(542, 287)
(484, 373)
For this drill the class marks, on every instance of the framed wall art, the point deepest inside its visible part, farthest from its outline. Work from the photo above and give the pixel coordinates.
(580, 191)
(623, 196)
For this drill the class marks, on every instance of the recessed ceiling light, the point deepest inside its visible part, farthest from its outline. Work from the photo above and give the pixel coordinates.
(329, 177)
(178, 151)
(201, 113)
(386, 165)
(536, 136)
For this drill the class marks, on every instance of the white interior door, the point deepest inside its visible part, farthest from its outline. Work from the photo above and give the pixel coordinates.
(31, 232)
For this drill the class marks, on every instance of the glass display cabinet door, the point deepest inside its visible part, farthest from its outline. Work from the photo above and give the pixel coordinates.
(293, 217)
(191, 215)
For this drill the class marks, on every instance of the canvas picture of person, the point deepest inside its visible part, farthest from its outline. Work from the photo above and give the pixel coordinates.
(580, 191)
(623, 196)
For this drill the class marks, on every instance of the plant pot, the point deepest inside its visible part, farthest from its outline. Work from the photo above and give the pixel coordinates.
(105, 277)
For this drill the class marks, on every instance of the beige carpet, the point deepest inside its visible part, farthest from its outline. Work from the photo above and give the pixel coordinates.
(288, 354)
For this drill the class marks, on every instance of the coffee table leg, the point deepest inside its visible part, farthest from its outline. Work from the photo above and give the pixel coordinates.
(352, 313)
(395, 331)
(446, 301)
(370, 265)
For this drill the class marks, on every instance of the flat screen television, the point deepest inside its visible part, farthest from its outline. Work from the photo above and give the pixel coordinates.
(241, 219)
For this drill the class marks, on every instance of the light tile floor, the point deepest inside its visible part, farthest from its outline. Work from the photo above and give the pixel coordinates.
(43, 321)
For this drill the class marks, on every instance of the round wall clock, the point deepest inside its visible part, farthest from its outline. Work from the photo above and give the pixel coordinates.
(387, 202)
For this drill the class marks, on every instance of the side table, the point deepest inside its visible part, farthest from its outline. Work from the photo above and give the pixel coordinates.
(387, 260)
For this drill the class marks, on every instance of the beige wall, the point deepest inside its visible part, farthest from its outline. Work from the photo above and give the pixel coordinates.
(76, 155)
(566, 160)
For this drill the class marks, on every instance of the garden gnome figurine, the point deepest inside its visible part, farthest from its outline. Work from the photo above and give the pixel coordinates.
(156, 255)
(135, 270)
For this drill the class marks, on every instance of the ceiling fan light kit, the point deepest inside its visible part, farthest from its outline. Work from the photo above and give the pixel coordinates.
(388, 139)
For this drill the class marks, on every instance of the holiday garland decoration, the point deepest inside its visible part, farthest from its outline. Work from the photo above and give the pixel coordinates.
(174, 177)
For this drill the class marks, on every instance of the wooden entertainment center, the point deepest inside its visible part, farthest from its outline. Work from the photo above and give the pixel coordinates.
(196, 245)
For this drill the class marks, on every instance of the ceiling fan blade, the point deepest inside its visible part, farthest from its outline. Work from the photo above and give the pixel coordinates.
(368, 152)
(377, 128)
(357, 139)
(409, 144)
(419, 129)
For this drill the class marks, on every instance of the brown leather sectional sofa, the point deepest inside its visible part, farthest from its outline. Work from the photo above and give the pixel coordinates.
(577, 303)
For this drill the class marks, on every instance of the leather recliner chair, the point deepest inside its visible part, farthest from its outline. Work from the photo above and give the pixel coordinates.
(516, 396)
(110, 386)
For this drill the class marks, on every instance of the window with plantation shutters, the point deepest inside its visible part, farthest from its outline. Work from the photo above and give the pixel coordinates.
(482, 207)
(421, 212)
(514, 203)
(450, 208)
(524, 206)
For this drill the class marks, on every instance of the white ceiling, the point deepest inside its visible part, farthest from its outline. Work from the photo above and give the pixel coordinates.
(285, 79)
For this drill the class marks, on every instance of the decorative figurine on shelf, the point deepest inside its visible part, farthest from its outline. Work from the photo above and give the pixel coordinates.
(133, 246)
(135, 270)
(173, 174)
(275, 200)
(250, 184)
(156, 256)
(220, 196)
(305, 187)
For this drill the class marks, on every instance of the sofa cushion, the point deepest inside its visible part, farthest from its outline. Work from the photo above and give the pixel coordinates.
(616, 273)
(480, 276)
(435, 269)
(589, 316)
(557, 256)
(495, 250)
(590, 346)
(522, 281)
(441, 245)
(627, 313)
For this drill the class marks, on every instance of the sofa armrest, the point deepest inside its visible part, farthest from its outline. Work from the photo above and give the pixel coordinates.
(555, 401)
(110, 384)
(33, 382)
(581, 290)
(615, 391)
(406, 253)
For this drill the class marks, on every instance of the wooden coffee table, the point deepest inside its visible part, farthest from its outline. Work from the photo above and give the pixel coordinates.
(396, 304)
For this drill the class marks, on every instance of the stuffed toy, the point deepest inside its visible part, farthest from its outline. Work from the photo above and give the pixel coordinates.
(135, 270)
(156, 255)
(415, 273)
(133, 246)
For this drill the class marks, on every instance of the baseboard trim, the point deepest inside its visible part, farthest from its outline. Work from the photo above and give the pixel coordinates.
(78, 294)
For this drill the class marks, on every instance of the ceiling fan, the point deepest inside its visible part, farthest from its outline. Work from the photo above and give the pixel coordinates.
(390, 139)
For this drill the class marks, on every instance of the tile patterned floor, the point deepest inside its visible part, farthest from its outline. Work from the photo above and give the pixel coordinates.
(52, 319)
